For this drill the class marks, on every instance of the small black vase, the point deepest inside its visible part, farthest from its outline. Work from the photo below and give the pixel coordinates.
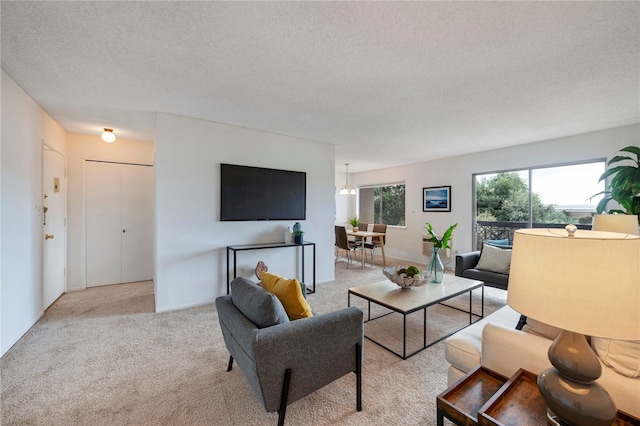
(297, 239)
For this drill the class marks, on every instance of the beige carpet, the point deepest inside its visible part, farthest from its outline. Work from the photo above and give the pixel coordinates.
(103, 357)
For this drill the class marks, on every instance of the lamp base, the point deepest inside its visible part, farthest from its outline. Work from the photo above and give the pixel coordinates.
(575, 404)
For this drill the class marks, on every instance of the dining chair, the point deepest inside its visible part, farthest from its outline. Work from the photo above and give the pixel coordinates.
(376, 241)
(342, 243)
(361, 227)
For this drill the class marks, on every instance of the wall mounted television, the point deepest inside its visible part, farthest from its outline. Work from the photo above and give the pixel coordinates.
(257, 193)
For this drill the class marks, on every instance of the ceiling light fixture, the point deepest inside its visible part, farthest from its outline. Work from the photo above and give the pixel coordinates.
(346, 189)
(108, 136)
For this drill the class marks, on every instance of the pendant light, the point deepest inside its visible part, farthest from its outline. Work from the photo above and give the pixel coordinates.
(346, 189)
(108, 136)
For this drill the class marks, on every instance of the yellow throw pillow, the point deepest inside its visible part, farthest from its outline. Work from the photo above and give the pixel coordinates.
(289, 293)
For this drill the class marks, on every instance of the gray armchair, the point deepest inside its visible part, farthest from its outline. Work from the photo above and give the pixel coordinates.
(283, 360)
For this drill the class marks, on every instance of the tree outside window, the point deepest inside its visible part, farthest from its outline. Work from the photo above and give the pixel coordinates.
(505, 198)
(536, 197)
(383, 204)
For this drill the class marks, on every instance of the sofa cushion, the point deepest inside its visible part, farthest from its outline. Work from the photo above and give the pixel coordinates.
(463, 349)
(529, 325)
(504, 242)
(541, 329)
(290, 294)
(261, 307)
(495, 259)
(487, 276)
(505, 350)
(622, 356)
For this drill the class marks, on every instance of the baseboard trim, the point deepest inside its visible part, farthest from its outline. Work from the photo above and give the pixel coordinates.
(185, 306)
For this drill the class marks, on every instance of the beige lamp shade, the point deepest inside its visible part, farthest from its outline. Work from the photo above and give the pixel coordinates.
(588, 283)
(623, 223)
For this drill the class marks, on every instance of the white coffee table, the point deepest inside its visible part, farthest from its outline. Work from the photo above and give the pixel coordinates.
(408, 300)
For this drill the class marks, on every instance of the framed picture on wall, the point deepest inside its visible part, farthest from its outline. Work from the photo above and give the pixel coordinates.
(436, 199)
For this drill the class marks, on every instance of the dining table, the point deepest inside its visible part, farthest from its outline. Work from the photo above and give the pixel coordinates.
(368, 234)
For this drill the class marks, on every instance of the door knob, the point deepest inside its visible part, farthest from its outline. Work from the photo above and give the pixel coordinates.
(48, 236)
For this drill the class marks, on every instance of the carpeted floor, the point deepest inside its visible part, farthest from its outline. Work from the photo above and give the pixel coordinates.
(103, 357)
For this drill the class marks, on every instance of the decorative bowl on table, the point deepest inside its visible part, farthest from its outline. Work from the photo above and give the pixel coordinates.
(399, 276)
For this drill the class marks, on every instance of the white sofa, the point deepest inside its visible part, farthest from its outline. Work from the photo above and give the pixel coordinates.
(495, 343)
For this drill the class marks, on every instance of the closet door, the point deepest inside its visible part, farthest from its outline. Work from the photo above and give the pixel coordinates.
(137, 223)
(103, 209)
(119, 217)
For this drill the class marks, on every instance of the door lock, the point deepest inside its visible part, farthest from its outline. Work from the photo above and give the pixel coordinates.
(48, 236)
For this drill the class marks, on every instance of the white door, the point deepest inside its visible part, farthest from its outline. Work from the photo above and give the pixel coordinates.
(54, 232)
(119, 218)
(137, 223)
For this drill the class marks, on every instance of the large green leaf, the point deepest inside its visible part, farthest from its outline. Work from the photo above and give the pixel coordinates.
(620, 158)
(635, 182)
(602, 205)
(447, 236)
(632, 149)
(635, 208)
(440, 242)
(624, 186)
(616, 170)
(434, 238)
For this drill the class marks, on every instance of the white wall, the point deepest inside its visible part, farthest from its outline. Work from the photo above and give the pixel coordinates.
(191, 241)
(91, 147)
(345, 204)
(406, 243)
(25, 127)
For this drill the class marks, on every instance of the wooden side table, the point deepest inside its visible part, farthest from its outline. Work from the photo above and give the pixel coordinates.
(461, 402)
(519, 402)
(484, 397)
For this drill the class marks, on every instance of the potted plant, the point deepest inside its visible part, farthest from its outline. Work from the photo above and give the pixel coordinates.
(354, 221)
(625, 184)
(297, 236)
(435, 268)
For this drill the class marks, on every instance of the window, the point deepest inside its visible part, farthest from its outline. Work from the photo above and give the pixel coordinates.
(382, 204)
(536, 197)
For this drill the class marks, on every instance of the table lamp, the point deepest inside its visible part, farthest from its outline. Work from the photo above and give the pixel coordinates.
(587, 283)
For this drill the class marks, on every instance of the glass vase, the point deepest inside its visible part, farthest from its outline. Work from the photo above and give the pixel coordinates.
(435, 268)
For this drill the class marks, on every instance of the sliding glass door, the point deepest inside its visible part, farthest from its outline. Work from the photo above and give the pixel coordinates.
(541, 197)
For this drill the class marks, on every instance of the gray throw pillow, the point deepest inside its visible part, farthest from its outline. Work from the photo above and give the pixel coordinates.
(495, 259)
(259, 306)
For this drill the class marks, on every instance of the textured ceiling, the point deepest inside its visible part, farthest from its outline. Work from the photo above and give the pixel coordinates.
(388, 83)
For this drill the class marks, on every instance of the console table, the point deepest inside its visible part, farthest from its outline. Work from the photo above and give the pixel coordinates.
(246, 247)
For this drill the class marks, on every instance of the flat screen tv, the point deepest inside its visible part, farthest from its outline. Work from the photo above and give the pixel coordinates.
(256, 193)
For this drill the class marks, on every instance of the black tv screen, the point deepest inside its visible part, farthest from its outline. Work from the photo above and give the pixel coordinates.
(256, 193)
